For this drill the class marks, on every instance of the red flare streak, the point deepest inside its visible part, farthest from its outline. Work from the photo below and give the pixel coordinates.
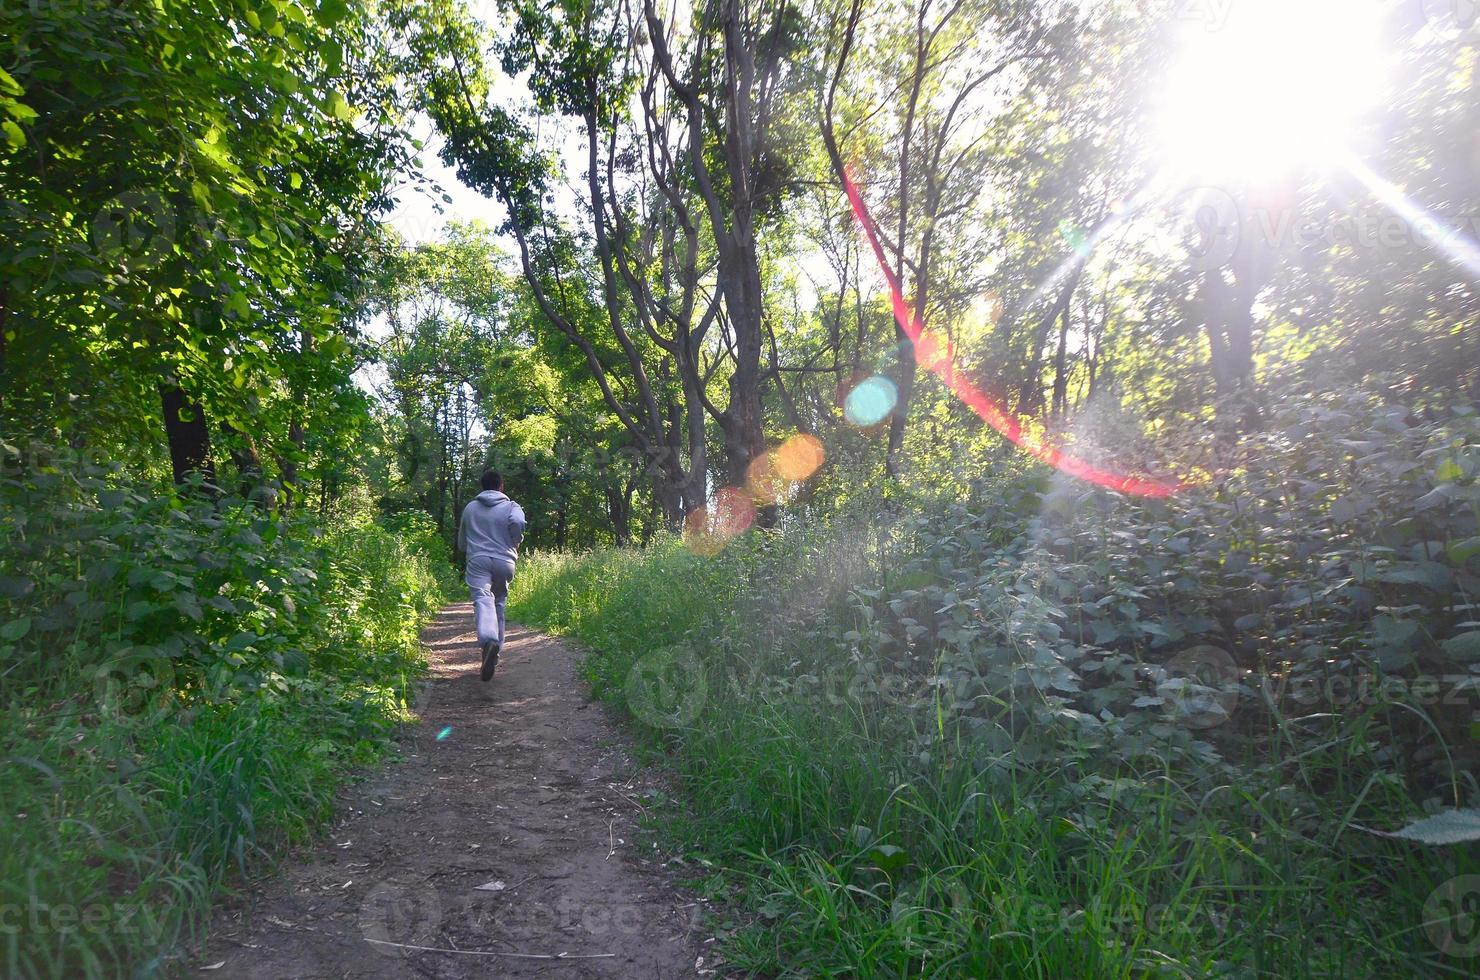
(928, 354)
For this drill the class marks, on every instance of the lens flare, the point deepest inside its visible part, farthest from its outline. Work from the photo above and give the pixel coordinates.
(697, 536)
(731, 513)
(1275, 88)
(1452, 243)
(708, 529)
(799, 457)
(763, 483)
(935, 352)
(1074, 237)
(990, 412)
(871, 401)
(769, 478)
(989, 308)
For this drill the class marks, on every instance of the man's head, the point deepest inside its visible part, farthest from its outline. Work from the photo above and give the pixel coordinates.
(491, 480)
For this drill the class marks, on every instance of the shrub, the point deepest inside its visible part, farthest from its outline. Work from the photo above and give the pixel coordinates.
(184, 686)
(1052, 731)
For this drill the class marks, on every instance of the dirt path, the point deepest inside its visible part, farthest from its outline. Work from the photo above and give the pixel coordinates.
(508, 829)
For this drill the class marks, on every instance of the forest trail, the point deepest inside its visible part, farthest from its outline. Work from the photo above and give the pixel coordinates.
(511, 834)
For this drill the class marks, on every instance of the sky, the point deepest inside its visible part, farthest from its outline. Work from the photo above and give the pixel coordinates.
(420, 215)
(416, 215)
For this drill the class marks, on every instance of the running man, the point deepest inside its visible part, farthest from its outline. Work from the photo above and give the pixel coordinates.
(488, 535)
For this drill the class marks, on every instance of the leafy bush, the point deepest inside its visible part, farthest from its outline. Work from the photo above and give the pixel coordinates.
(1054, 732)
(183, 685)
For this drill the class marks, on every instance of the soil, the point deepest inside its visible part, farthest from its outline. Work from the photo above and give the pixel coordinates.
(505, 844)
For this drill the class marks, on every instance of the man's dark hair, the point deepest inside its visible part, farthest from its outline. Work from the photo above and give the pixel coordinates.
(491, 480)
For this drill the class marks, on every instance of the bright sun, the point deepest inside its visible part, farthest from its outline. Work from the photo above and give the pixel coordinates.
(1261, 87)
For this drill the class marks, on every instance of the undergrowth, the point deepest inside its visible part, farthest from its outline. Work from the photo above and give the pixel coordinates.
(184, 684)
(1050, 732)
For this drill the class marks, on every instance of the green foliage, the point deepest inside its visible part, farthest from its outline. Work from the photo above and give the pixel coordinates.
(1449, 827)
(189, 209)
(961, 715)
(190, 686)
(1052, 732)
(476, 378)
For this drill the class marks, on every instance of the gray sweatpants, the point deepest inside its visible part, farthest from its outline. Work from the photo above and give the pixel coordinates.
(488, 581)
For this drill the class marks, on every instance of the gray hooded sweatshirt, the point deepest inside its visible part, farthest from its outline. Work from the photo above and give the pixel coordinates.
(491, 524)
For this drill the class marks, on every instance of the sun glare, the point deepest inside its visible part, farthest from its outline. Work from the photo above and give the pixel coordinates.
(1271, 86)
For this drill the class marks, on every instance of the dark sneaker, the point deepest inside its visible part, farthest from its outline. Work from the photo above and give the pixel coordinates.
(490, 659)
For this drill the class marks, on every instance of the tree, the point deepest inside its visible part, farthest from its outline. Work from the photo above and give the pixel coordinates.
(189, 205)
(922, 106)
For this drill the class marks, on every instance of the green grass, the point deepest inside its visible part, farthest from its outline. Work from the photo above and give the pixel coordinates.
(119, 837)
(848, 838)
(283, 658)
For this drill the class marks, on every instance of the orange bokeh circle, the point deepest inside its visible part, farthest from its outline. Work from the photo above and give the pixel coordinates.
(798, 457)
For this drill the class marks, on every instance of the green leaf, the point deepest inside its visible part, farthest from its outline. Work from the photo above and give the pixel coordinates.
(1429, 573)
(1441, 494)
(332, 54)
(139, 609)
(889, 858)
(339, 108)
(1449, 827)
(187, 604)
(217, 155)
(15, 629)
(14, 135)
(202, 195)
(1465, 647)
(331, 12)
(1462, 551)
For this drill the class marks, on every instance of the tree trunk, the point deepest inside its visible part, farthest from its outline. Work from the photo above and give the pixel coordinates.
(1229, 316)
(732, 223)
(740, 280)
(248, 462)
(1061, 366)
(1230, 330)
(464, 450)
(288, 463)
(618, 506)
(440, 428)
(189, 436)
(4, 342)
